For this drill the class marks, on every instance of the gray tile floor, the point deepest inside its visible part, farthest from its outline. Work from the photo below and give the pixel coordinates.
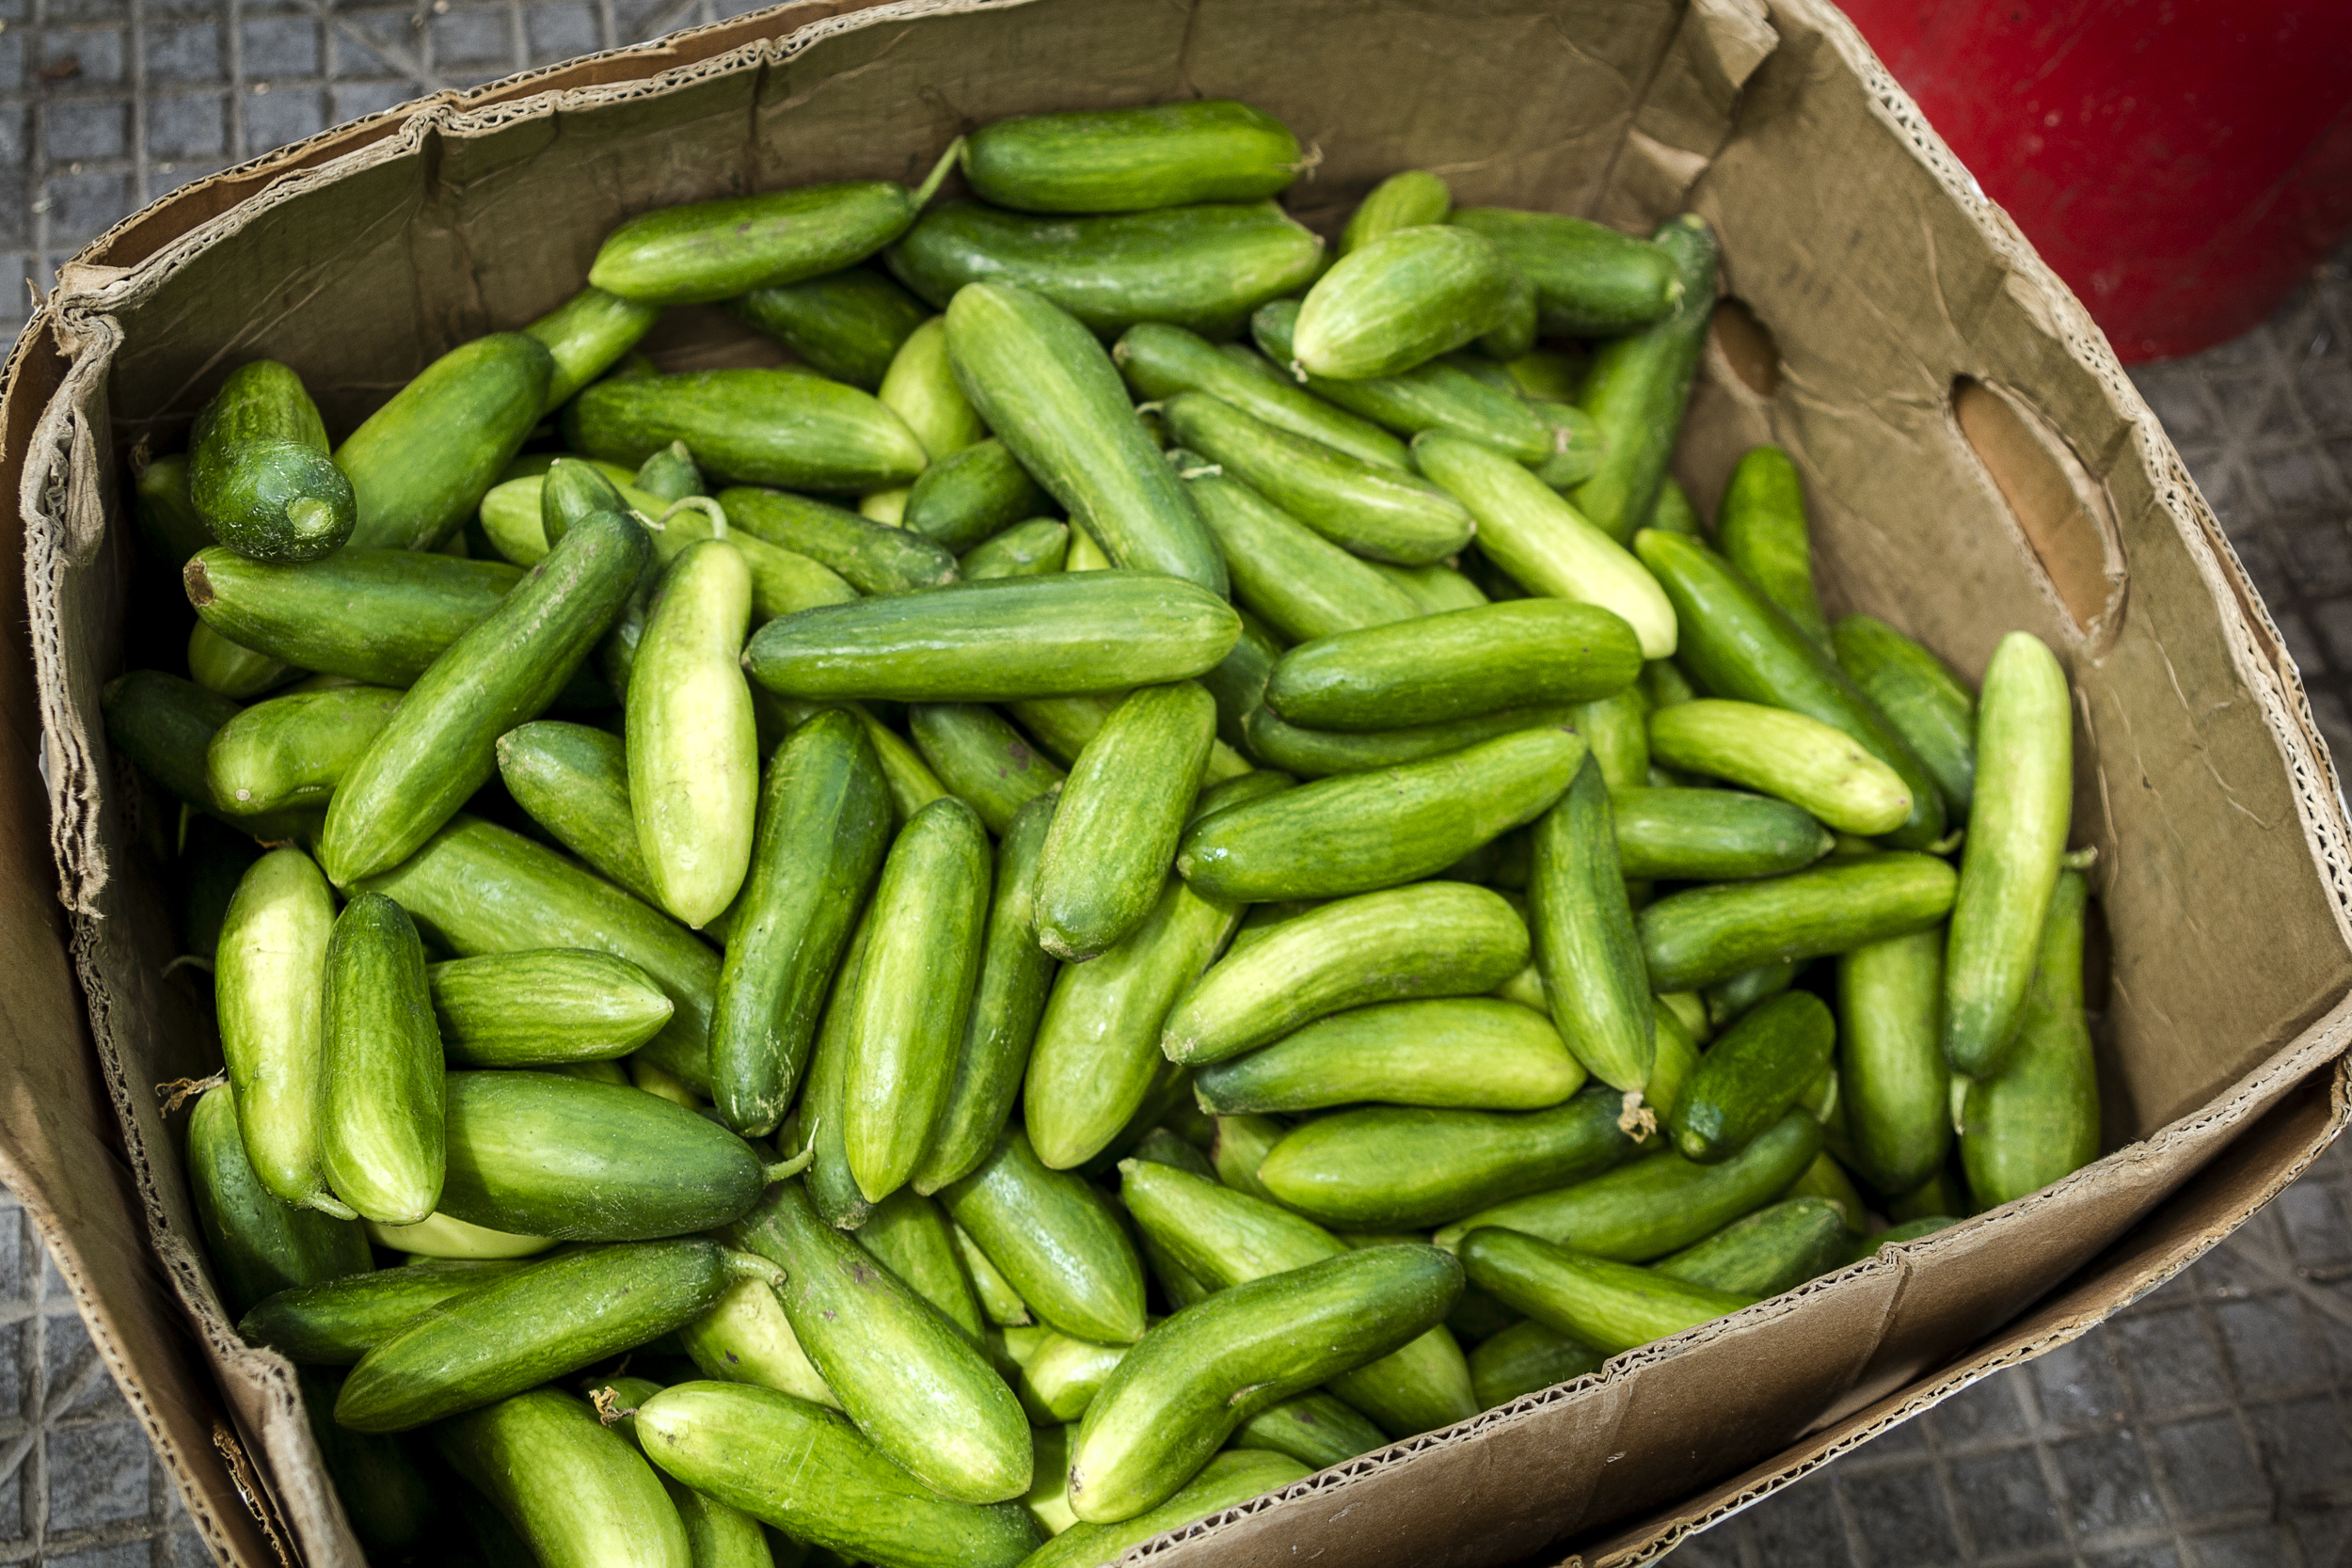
(2210, 1425)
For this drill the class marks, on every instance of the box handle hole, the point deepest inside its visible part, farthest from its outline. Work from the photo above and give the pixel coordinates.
(2062, 513)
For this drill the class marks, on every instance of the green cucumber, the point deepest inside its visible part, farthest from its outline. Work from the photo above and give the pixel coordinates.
(436, 750)
(538, 1323)
(1640, 383)
(1435, 938)
(1736, 645)
(1464, 1052)
(1096, 1054)
(1227, 1480)
(1054, 1238)
(1131, 160)
(846, 325)
(1179, 1394)
(1319, 753)
(1396, 1167)
(514, 511)
(921, 388)
(998, 1299)
(419, 465)
(573, 779)
(548, 1006)
(291, 751)
(915, 1240)
(268, 980)
(1054, 398)
(221, 666)
(1609, 1306)
(777, 427)
(1238, 1147)
(1315, 1429)
(1514, 332)
(1664, 683)
(1585, 946)
(1590, 280)
(1238, 681)
(818, 1122)
(574, 1491)
(1295, 579)
(1372, 509)
(1062, 1375)
(746, 1337)
(1160, 362)
(380, 1121)
(1893, 1084)
(1785, 754)
(1436, 587)
(1705, 934)
(982, 760)
(378, 616)
(971, 496)
(914, 993)
(871, 557)
(999, 641)
(1774, 1249)
(1660, 1204)
(1929, 706)
(383, 1491)
(1431, 669)
(1553, 374)
(569, 491)
(1359, 831)
(719, 1536)
(167, 520)
(2017, 826)
(1576, 450)
(1825, 1178)
(1525, 1357)
(763, 1451)
(1409, 296)
(2037, 1119)
(544, 1154)
(1117, 820)
(586, 334)
(1617, 727)
(1545, 545)
(694, 749)
(1436, 395)
(1703, 836)
(1760, 528)
(1753, 1073)
(824, 823)
(920, 1391)
(671, 475)
(1201, 267)
(259, 473)
(1034, 548)
(256, 1245)
(1731, 999)
(1007, 1003)
(335, 1323)
(1401, 202)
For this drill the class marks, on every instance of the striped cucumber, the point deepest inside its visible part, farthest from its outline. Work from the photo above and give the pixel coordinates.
(1033, 548)
(1640, 383)
(1407, 296)
(1706, 835)
(1590, 280)
(1464, 1052)
(917, 1241)
(1752, 1073)
(2037, 1119)
(1431, 669)
(575, 1492)
(1160, 360)
(922, 390)
(1316, 1430)
(1701, 935)
(694, 754)
(381, 616)
(1227, 1480)
(1586, 946)
(1054, 1237)
(746, 1337)
(1117, 823)
(380, 1123)
(221, 666)
(1524, 1357)
(1610, 1305)
(256, 1245)
(871, 557)
(719, 1536)
(335, 1323)
(290, 752)
(845, 324)
(1760, 528)
(554, 1004)
(972, 494)
(778, 427)
(1319, 753)
(1784, 754)
(1129, 160)
(1617, 727)
(1298, 581)
(259, 473)
(1894, 1089)
(982, 760)
(1400, 201)
(1437, 395)
(1771, 1250)
(268, 984)
(586, 334)
(818, 1121)
(1929, 706)
(573, 779)
(419, 465)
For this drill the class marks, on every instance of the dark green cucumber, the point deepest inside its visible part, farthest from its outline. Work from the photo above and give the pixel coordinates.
(1034, 548)
(999, 641)
(1396, 1166)
(1895, 1091)
(1435, 939)
(1299, 582)
(257, 1246)
(548, 1006)
(1703, 836)
(259, 473)
(871, 557)
(1640, 383)
(1660, 1204)
(1673, 513)
(1609, 1306)
(917, 1241)
(671, 475)
(2017, 826)
(1736, 645)
(981, 759)
(1374, 511)
(335, 1323)
(538, 1323)
(1199, 267)
(2037, 1120)
(1553, 374)
(1788, 755)
(1409, 296)
(1586, 946)
(818, 1121)
(1051, 394)
(436, 750)
(1771, 1250)
(916, 1387)
(1590, 280)
(1464, 1052)
(421, 463)
(971, 496)
(221, 666)
(1160, 362)
(268, 978)
(1131, 160)
(383, 1492)
(1007, 1003)
(1359, 831)
(1617, 727)
(586, 334)
(1577, 445)
(574, 1491)
(573, 780)
(291, 751)
(378, 616)
(1929, 706)
(380, 1119)
(1056, 1240)
(846, 325)
(1316, 1430)
(1117, 824)
(824, 821)
(755, 1449)
(1435, 395)
(1525, 1357)
(1319, 753)
(1431, 669)
(1760, 528)
(167, 520)
(544, 1154)
(1177, 1396)
(1752, 1073)
(775, 427)
(1730, 999)
(914, 993)
(1705, 934)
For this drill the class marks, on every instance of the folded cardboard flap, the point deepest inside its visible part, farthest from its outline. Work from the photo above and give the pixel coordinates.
(1868, 280)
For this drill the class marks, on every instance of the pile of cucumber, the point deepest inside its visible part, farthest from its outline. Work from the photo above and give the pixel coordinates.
(1163, 861)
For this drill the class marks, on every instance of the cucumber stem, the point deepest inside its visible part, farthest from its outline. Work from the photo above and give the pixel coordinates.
(327, 1203)
(784, 1170)
(751, 1265)
(932, 182)
(2080, 859)
(707, 505)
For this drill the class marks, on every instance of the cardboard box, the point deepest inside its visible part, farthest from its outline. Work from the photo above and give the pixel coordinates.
(1976, 462)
